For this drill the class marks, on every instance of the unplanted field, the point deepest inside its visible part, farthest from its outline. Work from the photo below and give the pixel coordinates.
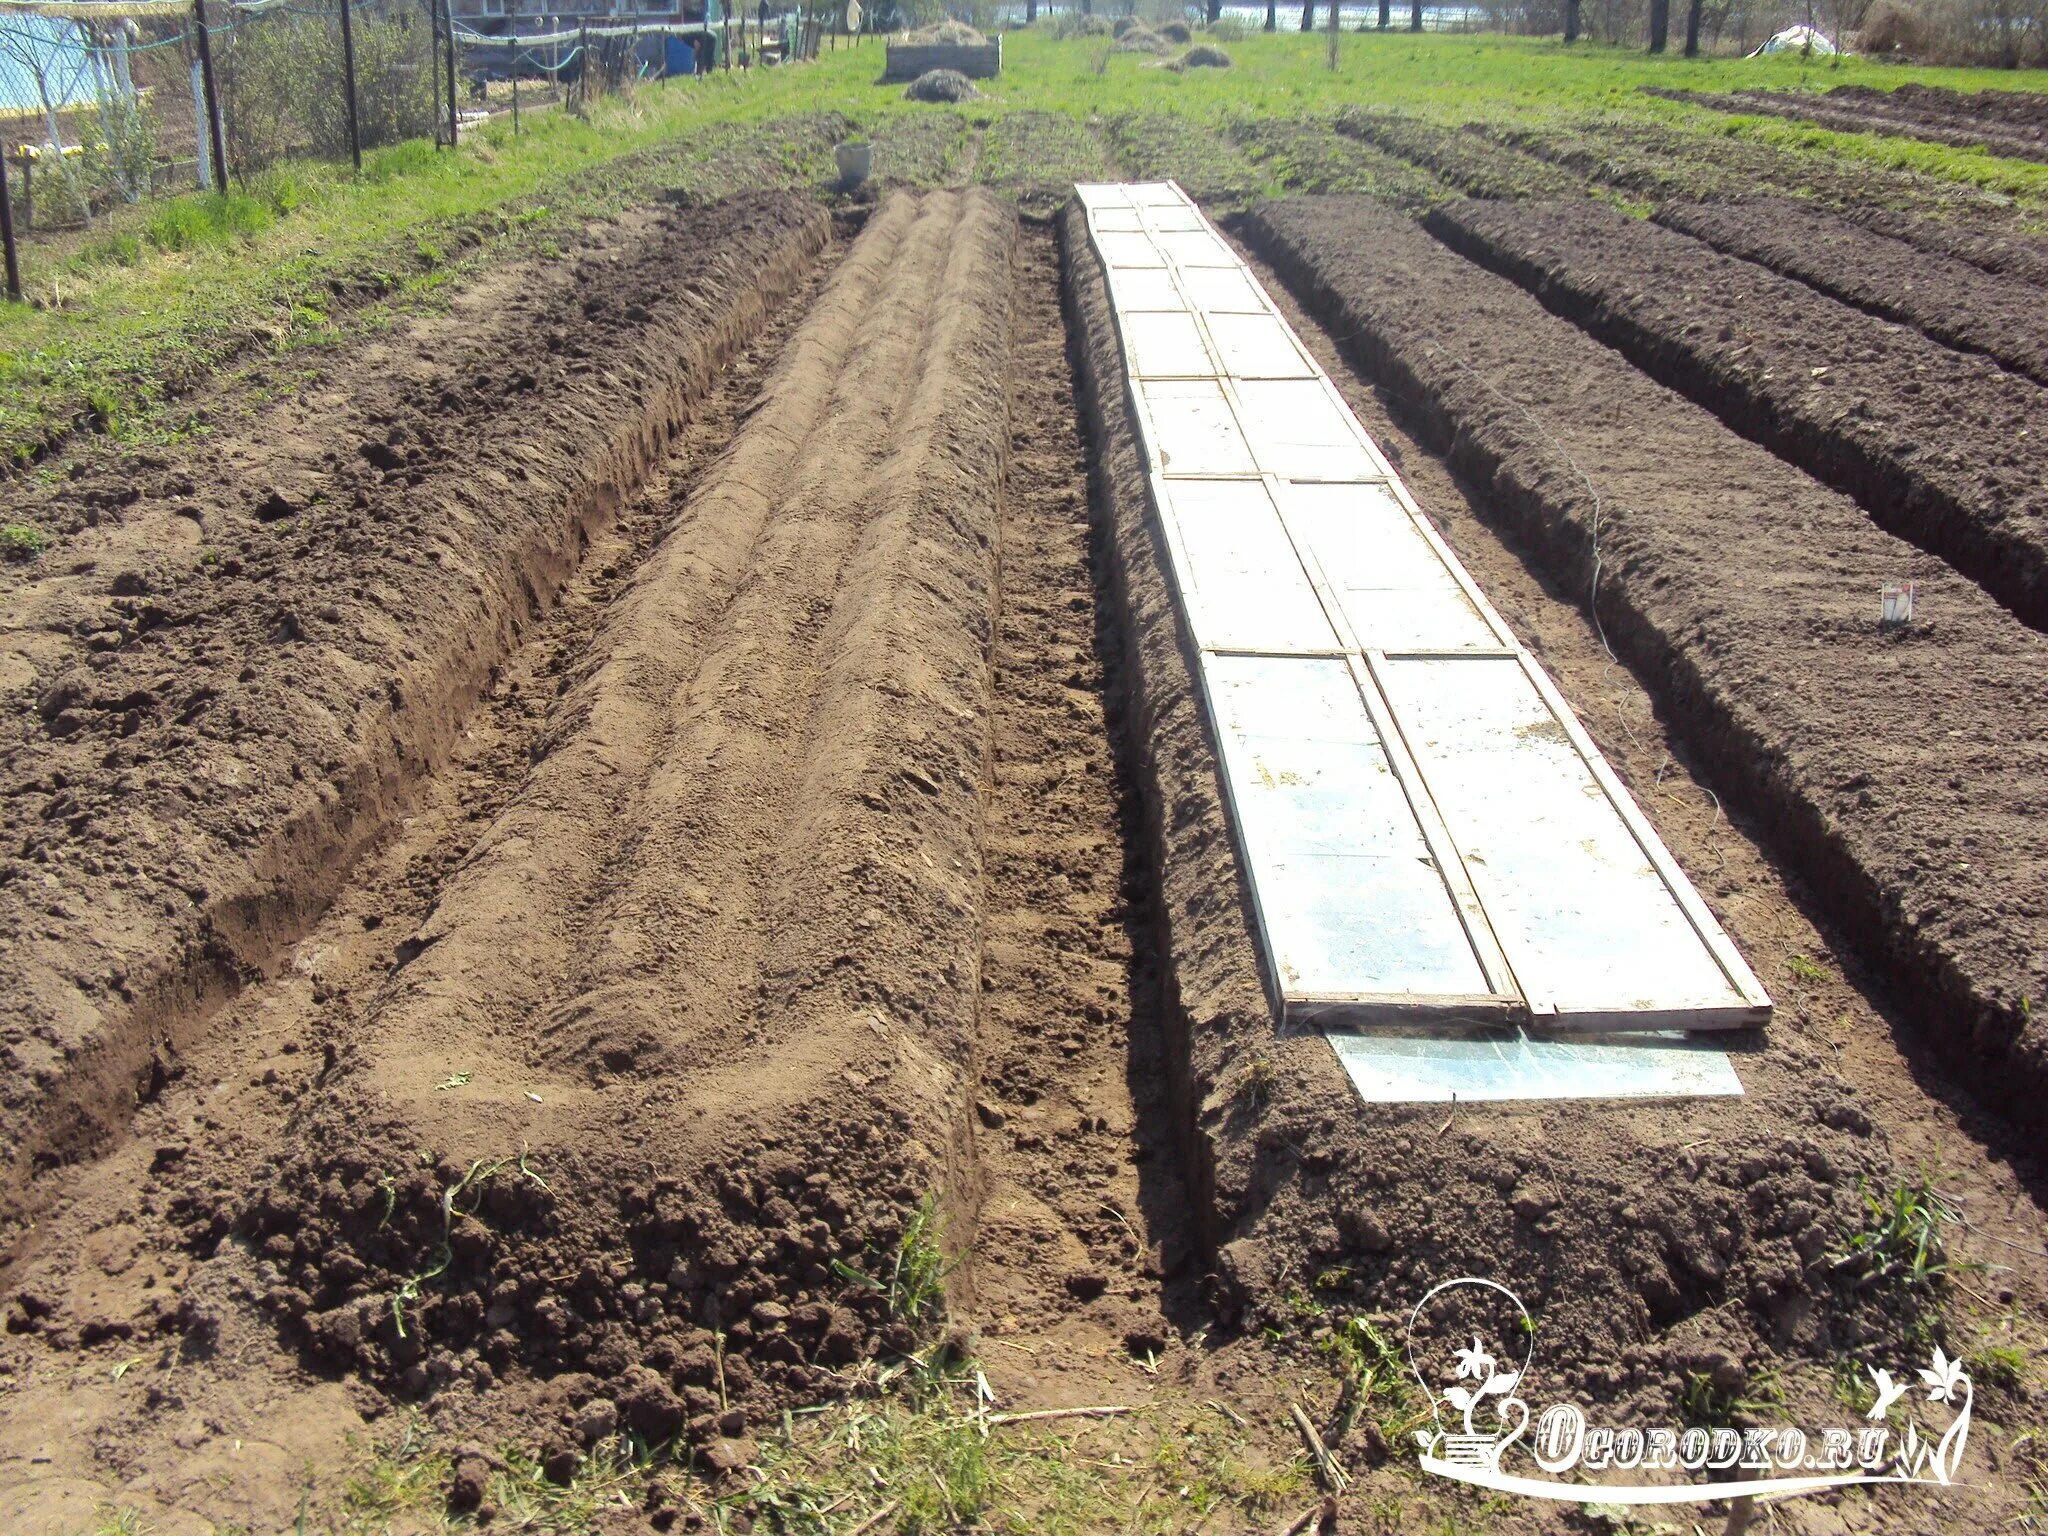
(1619, 1220)
(1945, 298)
(1859, 109)
(1898, 772)
(1942, 447)
(850, 930)
(252, 644)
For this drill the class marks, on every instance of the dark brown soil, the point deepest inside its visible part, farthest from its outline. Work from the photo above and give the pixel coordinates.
(1944, 298)
(1941, 447)
(1868, 115)
(2008, 122)
(250, 646)
(1464, 158)
(1656, 1238)
(1310, 155)
(1898, 773)
(1663, 162)
(2003, 253)
(2024, 111)
(1821, 992)
(110, 1256)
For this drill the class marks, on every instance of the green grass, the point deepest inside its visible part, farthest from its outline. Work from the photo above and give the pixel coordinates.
(1904, 1235)
(913, 1462)
(160, 296)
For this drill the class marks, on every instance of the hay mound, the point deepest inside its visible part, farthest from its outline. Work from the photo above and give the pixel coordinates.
(949, 33)
(1177, 32)
(1203, 56)
(1139, 38)
(942, 85)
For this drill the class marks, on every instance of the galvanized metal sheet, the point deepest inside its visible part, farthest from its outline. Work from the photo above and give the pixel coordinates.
(1391, 587)
(1119, 220)
(1196, 248)
(1388, 1067)
(1350, 899)
(1191, 430)
(1103, 194)
(1128, 250)
(1301, 431)
(1174, 219)
(1224, 291)
(1156, 194)
(1258, 347)
(1583, 915)
(1428, 834)
(1166, 344)
(1238, 572)
(1132, 289)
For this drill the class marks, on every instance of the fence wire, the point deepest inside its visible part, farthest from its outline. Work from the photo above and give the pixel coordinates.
(102, 102)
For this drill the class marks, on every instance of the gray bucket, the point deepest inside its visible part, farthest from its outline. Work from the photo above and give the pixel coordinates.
(855, 161)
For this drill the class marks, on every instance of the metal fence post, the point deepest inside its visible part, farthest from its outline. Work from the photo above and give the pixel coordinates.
(213, 133)
(7, 235)
(434, 62)
(448, 6)
(348, 80)
(512, 61)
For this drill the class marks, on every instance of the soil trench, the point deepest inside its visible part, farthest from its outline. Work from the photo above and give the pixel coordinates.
(1944, 298)
(1938, 445)
(701, 1001)
(269, 635)
(1775, 661)
(1665, 1241)
(111, 1260)
(1929, 1119)
(1082, 1222)
(1875, 113)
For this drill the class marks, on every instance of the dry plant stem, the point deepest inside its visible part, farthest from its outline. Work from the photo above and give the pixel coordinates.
(1328, 1472)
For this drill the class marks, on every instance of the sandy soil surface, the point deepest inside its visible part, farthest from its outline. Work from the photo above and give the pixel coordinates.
(257, 640)
(1941, 447)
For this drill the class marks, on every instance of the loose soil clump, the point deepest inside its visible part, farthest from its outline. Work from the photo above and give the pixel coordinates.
(1745, 594)
(254, 644)
(668, 1085)
(1941, 447)
(1944, 298)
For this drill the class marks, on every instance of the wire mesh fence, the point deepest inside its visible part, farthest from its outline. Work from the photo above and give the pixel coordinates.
(107, 103)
